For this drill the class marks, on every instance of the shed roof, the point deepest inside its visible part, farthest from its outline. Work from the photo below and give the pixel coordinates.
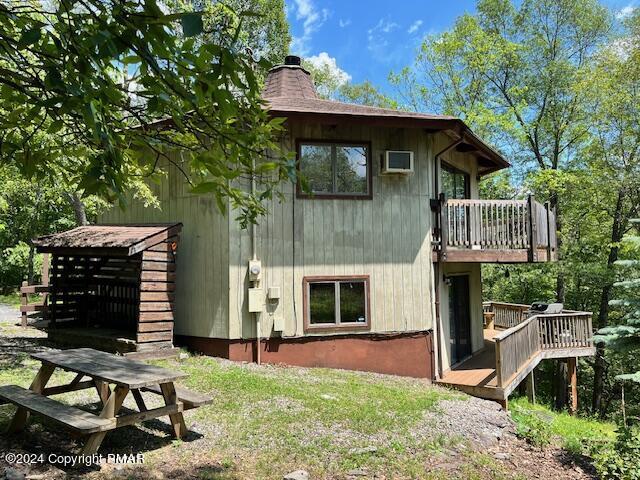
(117, 239)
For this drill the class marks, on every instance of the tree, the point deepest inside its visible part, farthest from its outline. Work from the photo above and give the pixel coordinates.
(510, 72)
(119, 85)
(333, 84)
(611, 87)
(260, 25)
(27, 210)
(625, 336)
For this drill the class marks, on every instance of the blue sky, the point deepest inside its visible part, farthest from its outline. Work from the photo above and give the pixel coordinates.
(369, 38)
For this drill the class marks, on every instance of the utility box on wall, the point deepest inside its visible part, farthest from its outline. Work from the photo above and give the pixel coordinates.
(256, 300)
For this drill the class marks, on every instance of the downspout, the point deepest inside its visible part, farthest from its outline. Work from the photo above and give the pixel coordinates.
(436, 266)
(254, 256)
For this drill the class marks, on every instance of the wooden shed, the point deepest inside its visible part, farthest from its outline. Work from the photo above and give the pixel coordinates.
(112, 287)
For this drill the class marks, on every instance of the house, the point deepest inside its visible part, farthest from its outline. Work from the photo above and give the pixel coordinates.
(379, 268)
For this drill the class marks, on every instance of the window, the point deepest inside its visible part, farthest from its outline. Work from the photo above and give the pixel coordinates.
(336, 302)
(334, 169)
(455, 183)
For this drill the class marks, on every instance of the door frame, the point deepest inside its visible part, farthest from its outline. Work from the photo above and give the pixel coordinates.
(457, 361)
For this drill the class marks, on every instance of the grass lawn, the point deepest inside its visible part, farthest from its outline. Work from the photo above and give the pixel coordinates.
(268, 420)
(12, 299)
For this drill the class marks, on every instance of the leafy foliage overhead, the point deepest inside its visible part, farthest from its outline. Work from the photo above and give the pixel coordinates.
(121, 85)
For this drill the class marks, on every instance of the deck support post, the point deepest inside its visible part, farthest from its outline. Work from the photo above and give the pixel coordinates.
(572, 377)
(531, 387)
(504, 404)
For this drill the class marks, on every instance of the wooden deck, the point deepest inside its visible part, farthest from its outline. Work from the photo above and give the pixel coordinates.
(477, 374)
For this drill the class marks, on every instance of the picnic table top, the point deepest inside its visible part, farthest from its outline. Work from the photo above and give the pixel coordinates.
(108, 367)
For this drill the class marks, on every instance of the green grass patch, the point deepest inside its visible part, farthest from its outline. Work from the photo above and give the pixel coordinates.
(12, 299)
(326, 420)
(542, 426)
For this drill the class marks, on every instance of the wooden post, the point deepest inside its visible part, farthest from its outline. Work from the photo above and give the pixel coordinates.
(24, 300)
(171, 398)
(548, 212)
(444, 227)
(498, 364)
(533, 234)
(45, 269)
(531, 387)
(110, 409)
(572, 375)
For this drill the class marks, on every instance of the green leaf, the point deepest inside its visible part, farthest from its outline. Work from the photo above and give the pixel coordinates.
(55, 127)
(192, 24)
(205, 187)
(130, 59)
(29, 37)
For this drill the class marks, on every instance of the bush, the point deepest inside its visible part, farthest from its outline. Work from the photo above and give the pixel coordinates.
(621, 459)
(14, 266)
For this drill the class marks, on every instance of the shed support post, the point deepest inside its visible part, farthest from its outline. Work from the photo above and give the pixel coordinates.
(572, 376)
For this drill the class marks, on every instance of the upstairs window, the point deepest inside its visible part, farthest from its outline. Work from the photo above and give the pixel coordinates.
(336, 302)
(455, 183)
(335, 169)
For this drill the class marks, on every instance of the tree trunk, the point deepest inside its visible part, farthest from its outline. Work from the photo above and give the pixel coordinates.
(78, 208)
(560, 396)
(599, 367)
(30, 266)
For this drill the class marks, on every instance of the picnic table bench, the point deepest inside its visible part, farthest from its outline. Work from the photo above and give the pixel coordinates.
(103, 370)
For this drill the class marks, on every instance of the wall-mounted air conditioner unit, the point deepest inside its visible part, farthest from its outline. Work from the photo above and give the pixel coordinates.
(397, 161)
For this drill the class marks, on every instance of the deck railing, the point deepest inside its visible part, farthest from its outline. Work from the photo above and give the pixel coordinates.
(506, 315)
(498, 225)
(553, 333)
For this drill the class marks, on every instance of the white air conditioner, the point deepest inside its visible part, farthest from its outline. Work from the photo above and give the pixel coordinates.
(397, 161)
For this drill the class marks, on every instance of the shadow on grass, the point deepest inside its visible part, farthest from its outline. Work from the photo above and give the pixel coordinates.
(48, 439)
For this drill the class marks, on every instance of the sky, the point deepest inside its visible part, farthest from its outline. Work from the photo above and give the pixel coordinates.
(367, 39)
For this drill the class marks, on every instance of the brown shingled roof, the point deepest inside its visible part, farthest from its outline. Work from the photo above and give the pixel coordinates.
(290, 92)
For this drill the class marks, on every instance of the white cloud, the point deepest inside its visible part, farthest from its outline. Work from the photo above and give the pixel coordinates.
(377, 39)
(626, 11)
(323, 61)
(344, 23)
(312, 19)
(414, 26)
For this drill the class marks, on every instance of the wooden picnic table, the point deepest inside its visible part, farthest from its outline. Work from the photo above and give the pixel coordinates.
(103, 370)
